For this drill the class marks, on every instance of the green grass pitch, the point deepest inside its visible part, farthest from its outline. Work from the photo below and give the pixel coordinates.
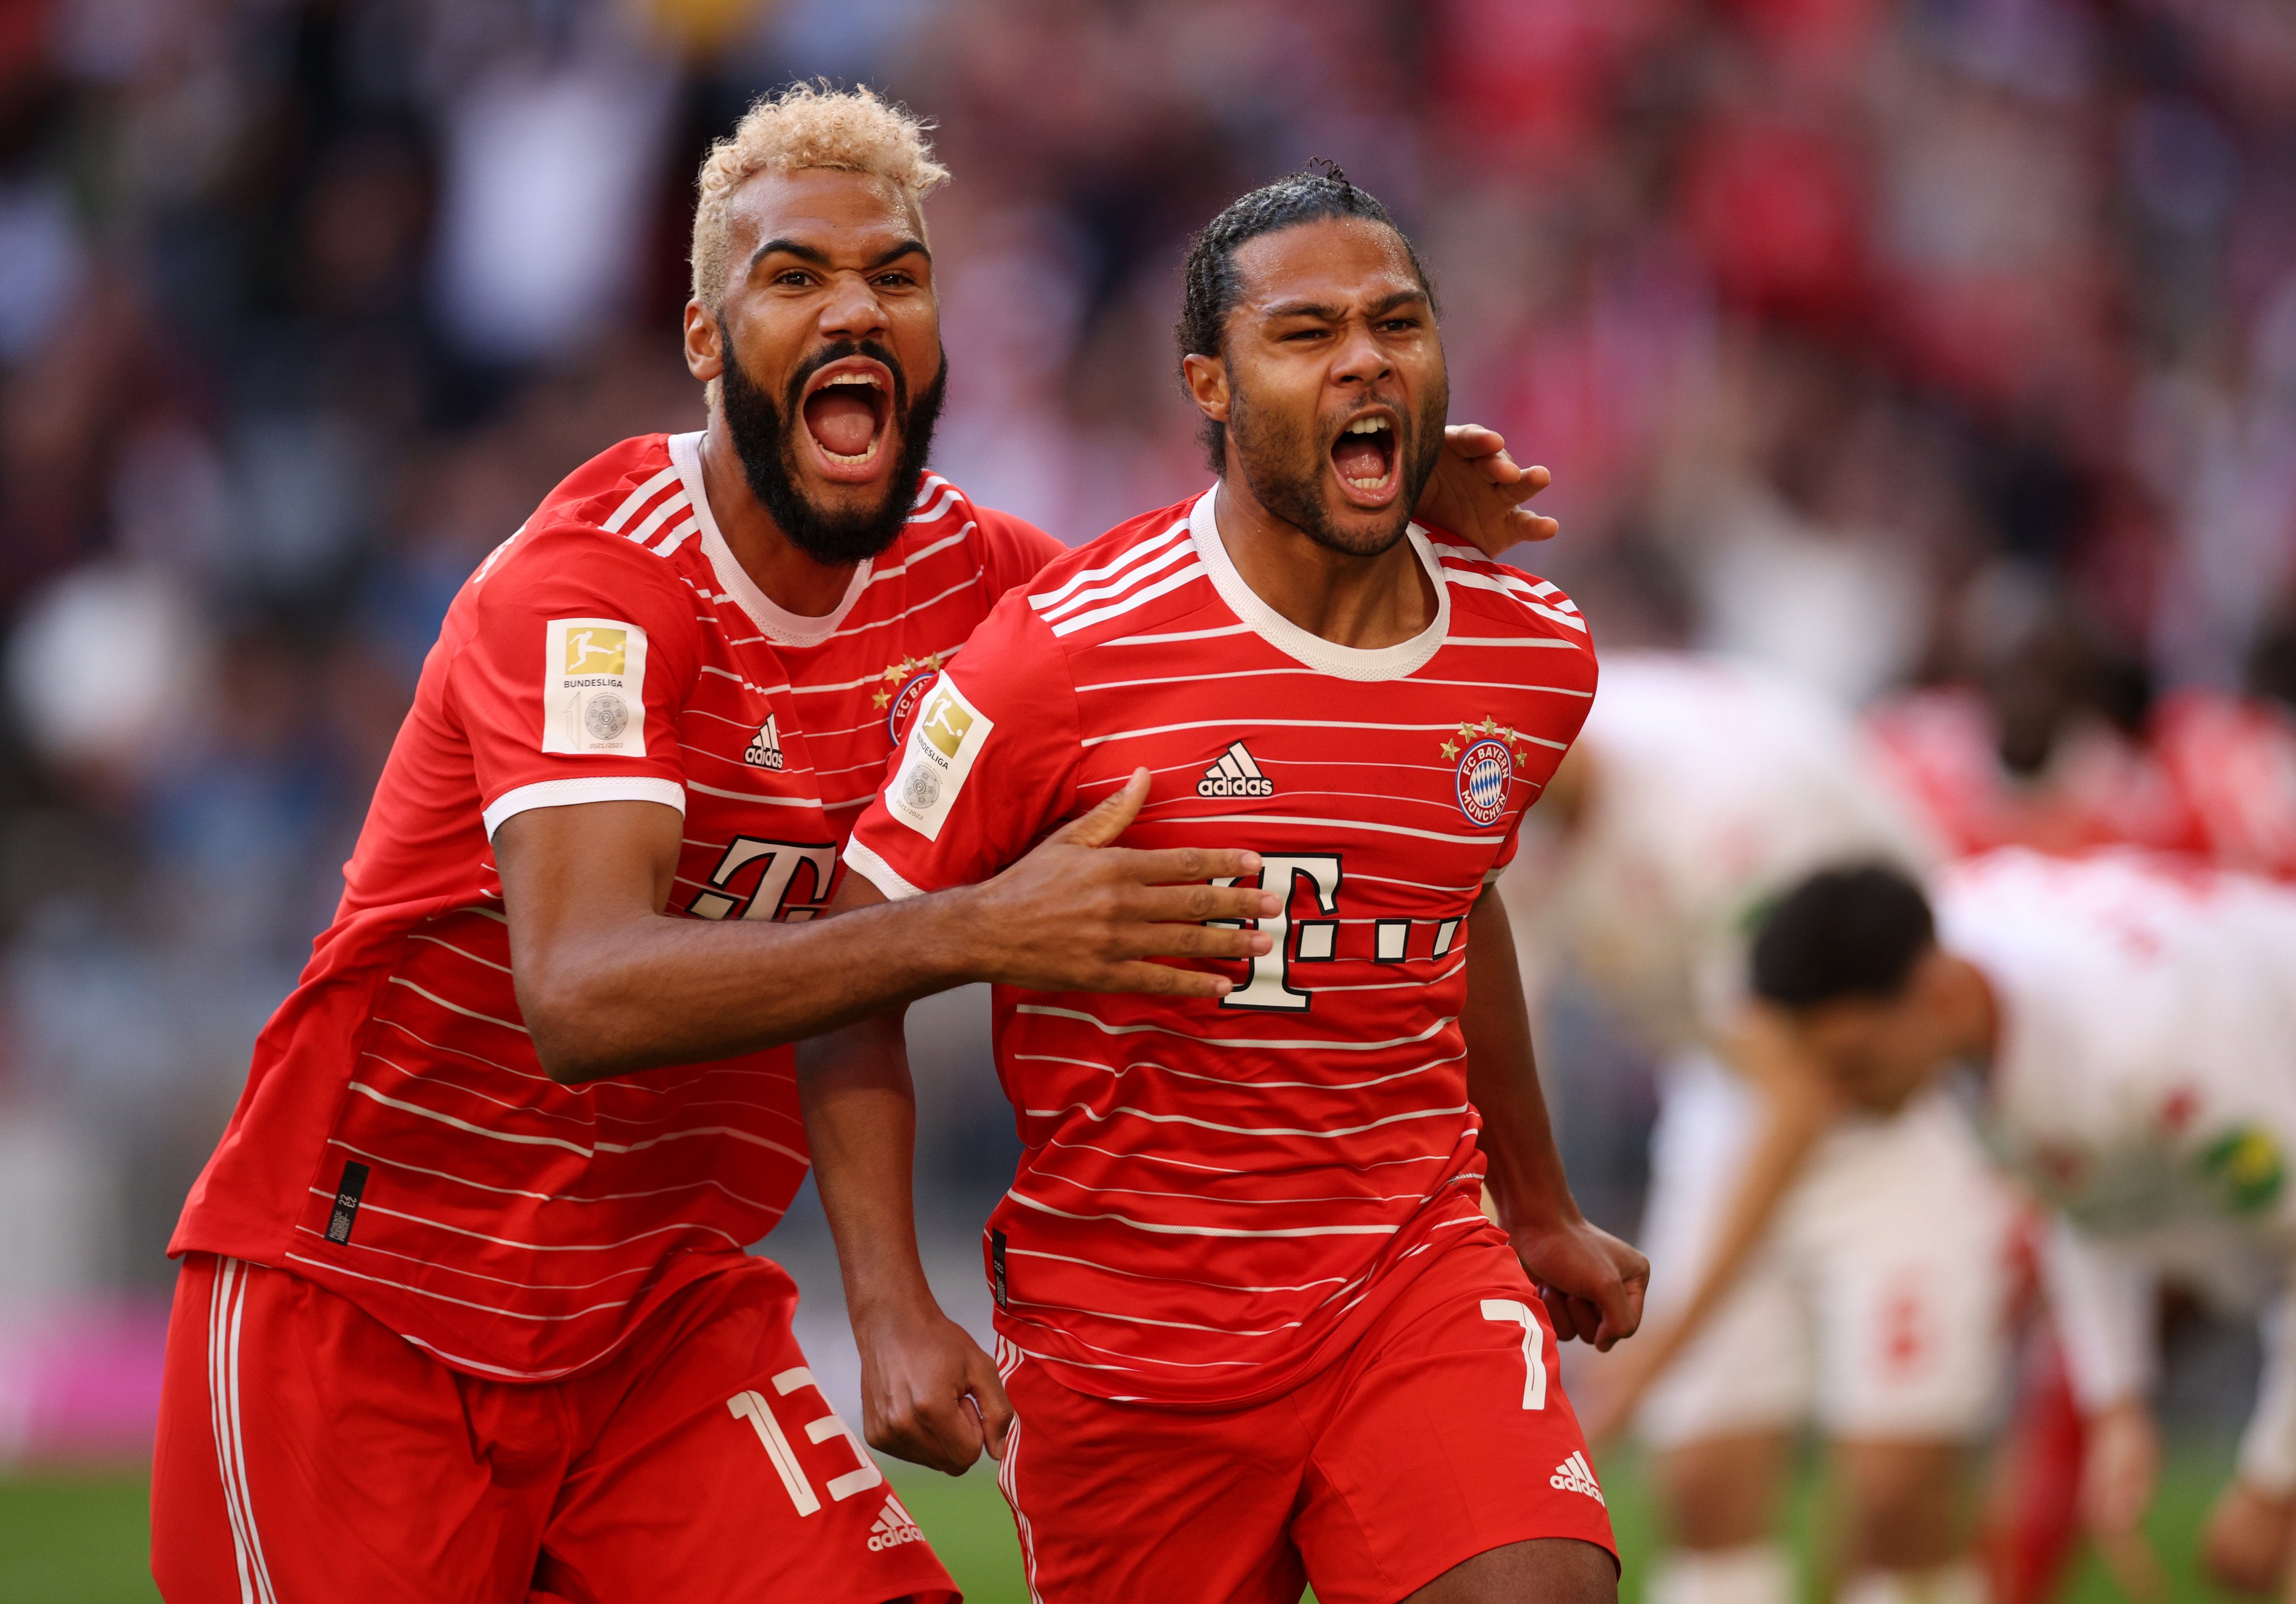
(81, 1540)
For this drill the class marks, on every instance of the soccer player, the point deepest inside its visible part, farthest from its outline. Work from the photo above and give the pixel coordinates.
(1254, 1330)
(465, 1312)
(2133, 1020)
(1872, 1304)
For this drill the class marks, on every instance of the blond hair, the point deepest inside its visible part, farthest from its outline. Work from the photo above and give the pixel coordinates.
(805, 126)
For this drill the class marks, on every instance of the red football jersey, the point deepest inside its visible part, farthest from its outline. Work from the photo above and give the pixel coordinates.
(399, 1141)
(2101, 789)
(1217, 1196)
(2232, 759)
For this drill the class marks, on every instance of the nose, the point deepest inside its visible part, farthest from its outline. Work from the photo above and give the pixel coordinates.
(851, 310)
(1359, 360)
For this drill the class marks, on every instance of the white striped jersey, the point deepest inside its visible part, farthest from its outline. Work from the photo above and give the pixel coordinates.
(399, 1141)
(1216, 1197)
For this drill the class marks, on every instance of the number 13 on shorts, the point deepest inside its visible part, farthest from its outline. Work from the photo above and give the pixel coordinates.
(1507, 1311)
(751, 1406)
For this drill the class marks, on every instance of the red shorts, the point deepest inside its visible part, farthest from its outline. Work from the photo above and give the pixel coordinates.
(1442, 1436)
(306, 1451)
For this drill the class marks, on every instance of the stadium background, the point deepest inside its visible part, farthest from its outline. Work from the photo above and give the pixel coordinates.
(1860, 335)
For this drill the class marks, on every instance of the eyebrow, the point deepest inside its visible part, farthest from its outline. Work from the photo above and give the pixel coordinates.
(1329, 313)
(820, 258)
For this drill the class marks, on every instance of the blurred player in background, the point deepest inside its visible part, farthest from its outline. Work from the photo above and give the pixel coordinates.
(1254, 1330)
(2053, 743)
(2135, 1021)
(2056, 744)
(1699, 789)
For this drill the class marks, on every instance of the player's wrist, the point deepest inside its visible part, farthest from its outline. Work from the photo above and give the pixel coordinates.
(951, 940)
(887, 1288)
(1533, 1211)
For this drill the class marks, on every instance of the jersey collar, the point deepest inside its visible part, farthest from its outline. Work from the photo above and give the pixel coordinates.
(1327, 657)
(781, 625)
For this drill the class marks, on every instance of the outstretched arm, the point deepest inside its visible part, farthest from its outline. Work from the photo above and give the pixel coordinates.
(1592, 1283)
(1796, 1108)
(609, 982)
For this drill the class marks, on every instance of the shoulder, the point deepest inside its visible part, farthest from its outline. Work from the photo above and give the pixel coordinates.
(605, 534)
(1516, 599)
(1141, 574)
(1012, 551)
(948, 534)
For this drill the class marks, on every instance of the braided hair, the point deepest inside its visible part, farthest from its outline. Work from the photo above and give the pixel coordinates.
(1212, 285)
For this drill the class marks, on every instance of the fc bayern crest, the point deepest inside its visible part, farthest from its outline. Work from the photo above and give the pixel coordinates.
(907, 683)
(1486, 778)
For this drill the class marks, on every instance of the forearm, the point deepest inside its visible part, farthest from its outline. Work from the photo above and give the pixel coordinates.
(657, 990)
(609, 982)
(2101, 1295)
(2267, 1447)
(1789, 1126)
(860, 1119)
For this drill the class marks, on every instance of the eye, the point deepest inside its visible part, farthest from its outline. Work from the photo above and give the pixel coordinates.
(792, 278)
(1303, 334)
(897, 279)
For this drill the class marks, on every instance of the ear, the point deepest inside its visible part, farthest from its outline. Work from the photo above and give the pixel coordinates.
(1207, 381)
(705, 346)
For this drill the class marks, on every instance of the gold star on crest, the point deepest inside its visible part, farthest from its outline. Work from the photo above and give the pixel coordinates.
(1490, 728)
(897, 673)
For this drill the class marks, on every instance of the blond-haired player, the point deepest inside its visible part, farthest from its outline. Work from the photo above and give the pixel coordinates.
(1870, 1305)
(466, 1311)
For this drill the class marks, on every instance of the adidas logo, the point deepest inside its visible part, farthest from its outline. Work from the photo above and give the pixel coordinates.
(764, 747)
(1234, 774)
(1574, 1475)
(894, 1527)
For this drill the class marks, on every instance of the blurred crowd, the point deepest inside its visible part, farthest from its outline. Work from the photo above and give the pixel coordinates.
(1901, 343)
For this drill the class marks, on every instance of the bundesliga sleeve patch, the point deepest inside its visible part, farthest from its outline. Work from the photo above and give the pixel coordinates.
(947, 735)
(594, 687)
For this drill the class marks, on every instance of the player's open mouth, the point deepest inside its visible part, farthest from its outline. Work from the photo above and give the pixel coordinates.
(1363, 458)
(845, 409)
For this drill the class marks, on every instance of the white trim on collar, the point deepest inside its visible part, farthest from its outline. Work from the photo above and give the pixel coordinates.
(1327, 657)
(781, 625)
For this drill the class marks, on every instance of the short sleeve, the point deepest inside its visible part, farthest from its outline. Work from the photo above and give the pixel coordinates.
(988, 767)
(580, 650)
(1011, 550)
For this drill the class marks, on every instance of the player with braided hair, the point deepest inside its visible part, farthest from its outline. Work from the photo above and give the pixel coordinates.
(1254, 1330)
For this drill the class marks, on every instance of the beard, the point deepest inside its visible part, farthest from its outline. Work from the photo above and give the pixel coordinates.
(1285, 466)
(765, 438)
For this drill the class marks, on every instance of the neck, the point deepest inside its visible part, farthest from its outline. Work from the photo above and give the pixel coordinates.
(788, 577)
(1367, 603)
(1977, 1013)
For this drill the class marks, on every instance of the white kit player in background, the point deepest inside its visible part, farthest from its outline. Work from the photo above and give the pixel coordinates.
(2135, 1018)
(1871, 1305)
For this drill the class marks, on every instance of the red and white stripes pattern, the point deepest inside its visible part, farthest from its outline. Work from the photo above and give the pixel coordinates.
(515, 1227)
(1212, 1193)
(226, 1302)
(1009, 1359)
